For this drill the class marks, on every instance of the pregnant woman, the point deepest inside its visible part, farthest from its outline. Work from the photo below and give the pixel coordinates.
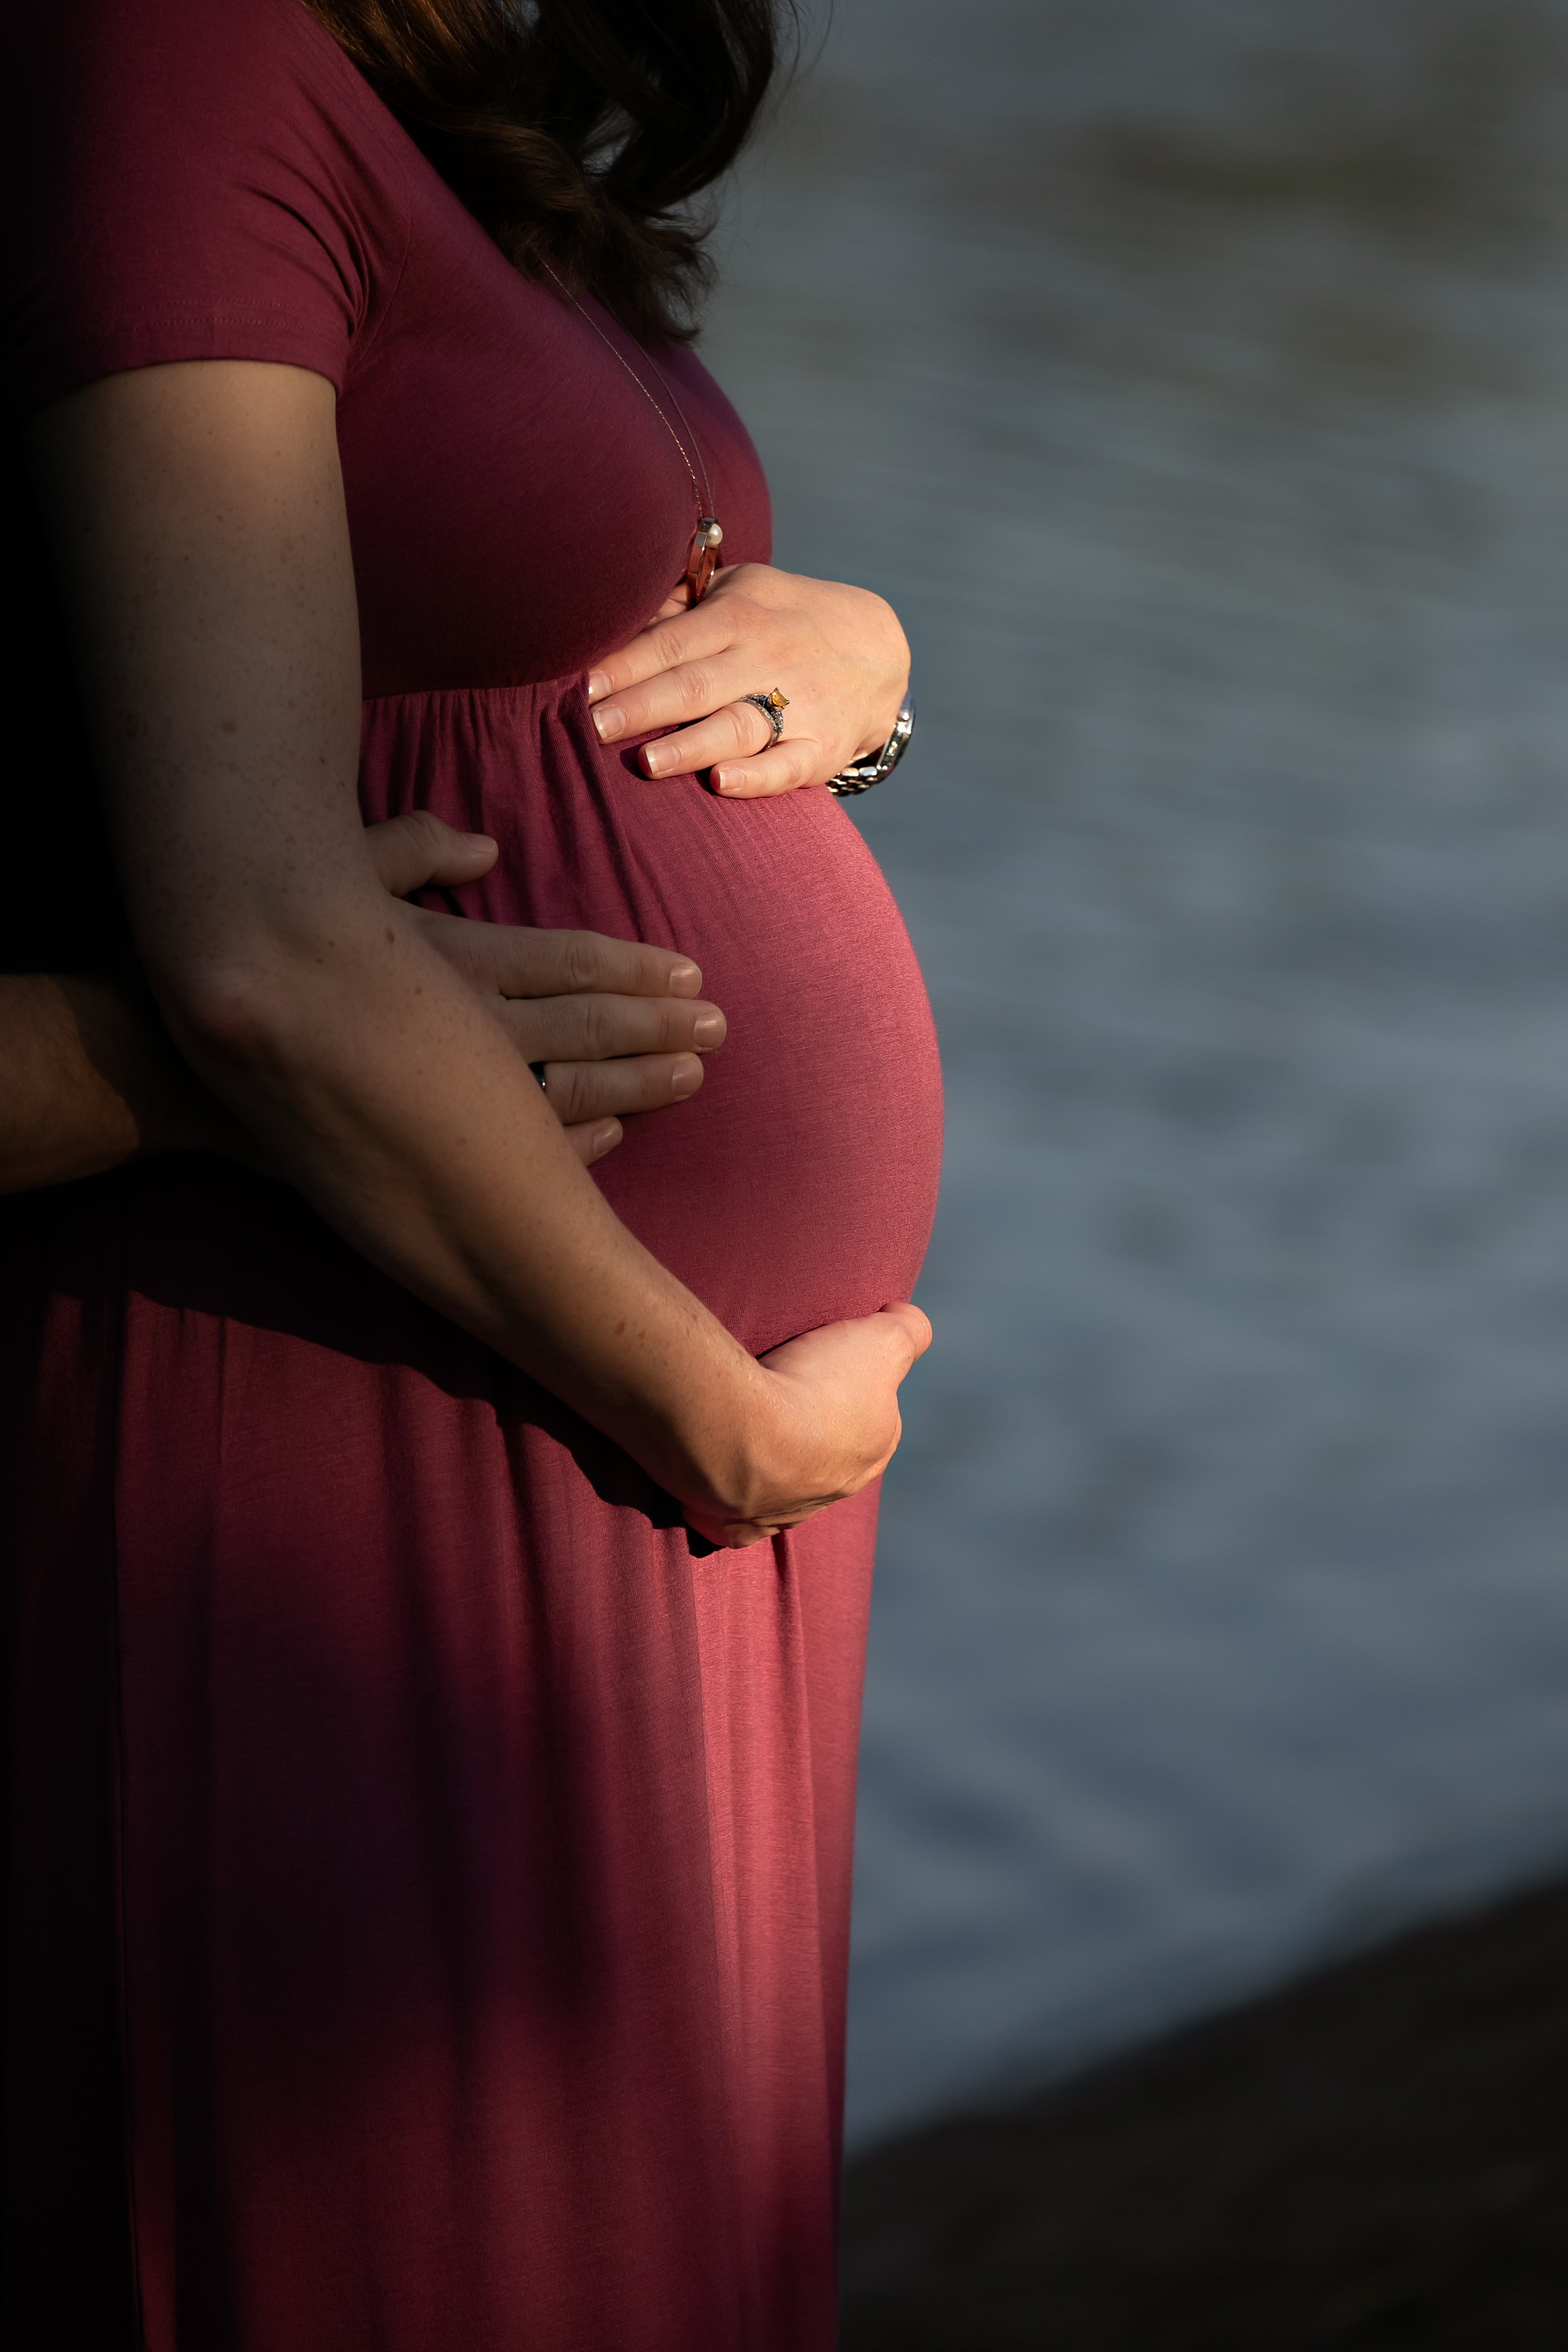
(436, 1574)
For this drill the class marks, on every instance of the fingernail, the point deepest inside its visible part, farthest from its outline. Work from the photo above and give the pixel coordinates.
(610, 723)
(655, 760)
(724, 782)
(686, 1078)
(480, 840)
(708, 1029)
(604, 1138)
(685, 980)
(598, 683)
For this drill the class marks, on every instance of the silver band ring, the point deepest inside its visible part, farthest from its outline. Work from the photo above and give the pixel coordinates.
(773, 708)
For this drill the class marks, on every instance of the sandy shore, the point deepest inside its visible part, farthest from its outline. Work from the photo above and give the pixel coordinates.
(1377, 2156)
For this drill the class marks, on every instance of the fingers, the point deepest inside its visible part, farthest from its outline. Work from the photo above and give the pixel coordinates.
(837, 651)
(738, 730)
(914, 1325)
(684, 669)
(407, 852)
(594, 1140)
(735, 1535)
(861, 1348)
(692, 690)
(673, 636)
(844, 1378)
(586, 1091)
(504, 959)
(598, 1028)
(799, 760)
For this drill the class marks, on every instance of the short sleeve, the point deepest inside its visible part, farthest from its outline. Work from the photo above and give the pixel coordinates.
(184, 180)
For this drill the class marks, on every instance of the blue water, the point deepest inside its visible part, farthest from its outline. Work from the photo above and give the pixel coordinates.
(1194, 377)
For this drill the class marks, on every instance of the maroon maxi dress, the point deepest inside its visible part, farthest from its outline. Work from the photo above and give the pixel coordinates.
(429, 1866)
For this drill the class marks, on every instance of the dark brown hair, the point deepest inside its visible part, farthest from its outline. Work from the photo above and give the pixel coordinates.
(578, 131)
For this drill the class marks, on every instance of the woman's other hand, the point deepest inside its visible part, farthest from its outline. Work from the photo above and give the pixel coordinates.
(620, 1027)
(838, 653)
(833, 1396)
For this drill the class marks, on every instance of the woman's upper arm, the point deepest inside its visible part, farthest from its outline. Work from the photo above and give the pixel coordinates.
(195, 519)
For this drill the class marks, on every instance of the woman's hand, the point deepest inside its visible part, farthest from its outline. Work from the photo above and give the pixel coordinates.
(619, 1027)
(838, 653)
(90, 1078)
(835, 1395)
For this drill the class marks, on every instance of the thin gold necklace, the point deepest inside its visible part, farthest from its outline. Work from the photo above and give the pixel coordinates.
(702, 555)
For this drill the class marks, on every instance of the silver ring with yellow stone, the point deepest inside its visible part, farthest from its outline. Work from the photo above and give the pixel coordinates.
(773, 708)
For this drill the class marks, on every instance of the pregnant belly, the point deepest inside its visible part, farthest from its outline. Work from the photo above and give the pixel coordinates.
(798, 1186)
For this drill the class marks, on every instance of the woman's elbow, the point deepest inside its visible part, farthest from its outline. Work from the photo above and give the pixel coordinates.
(238, 1012)
(270, 994)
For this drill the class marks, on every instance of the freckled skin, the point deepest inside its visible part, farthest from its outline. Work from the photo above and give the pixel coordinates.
(355, 1055)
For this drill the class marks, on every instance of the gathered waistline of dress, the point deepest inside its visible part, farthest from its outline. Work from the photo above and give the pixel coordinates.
(533, 695)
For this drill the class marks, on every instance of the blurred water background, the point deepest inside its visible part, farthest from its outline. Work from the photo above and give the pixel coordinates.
(1193, 375)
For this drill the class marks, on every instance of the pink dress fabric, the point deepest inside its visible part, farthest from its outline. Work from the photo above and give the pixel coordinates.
(428, 1867)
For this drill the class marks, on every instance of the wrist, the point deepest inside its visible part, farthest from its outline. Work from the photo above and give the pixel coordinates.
(767, 1462)
(729, 1450)
(882, 727)
(896, 661)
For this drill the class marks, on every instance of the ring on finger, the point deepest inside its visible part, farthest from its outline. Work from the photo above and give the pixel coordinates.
(773, 708)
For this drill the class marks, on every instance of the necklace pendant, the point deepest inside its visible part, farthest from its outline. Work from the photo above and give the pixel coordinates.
(702, 558)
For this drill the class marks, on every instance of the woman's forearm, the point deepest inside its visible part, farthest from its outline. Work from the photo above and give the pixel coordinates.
(198, 517)
(90, 1080)
(394, 1103)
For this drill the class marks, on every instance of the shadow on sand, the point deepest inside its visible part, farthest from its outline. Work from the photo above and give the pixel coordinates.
(1375, 2158)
